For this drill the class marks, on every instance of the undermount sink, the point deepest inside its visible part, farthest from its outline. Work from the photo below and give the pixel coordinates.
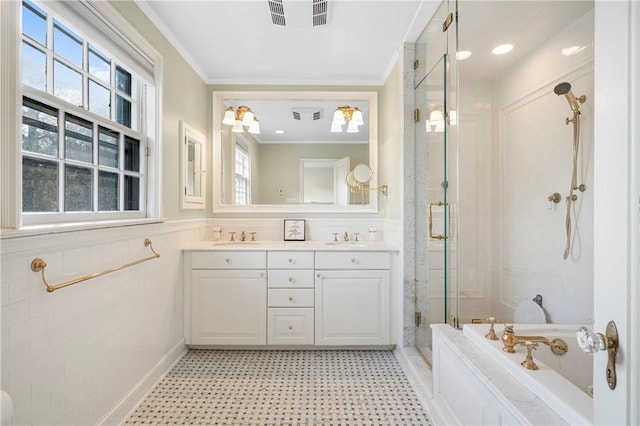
(348, 244)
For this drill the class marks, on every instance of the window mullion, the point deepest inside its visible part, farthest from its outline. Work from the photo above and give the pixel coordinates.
(49, 70)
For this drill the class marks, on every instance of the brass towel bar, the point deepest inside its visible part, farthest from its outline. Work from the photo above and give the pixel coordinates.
(38, 265)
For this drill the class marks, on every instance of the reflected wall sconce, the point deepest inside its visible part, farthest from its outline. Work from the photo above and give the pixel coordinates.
(243, 117)
(437, 120)
(344, 114)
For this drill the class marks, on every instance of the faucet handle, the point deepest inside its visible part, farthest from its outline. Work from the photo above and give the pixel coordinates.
(345, 237)
(491, 335)
(528, 362)
(356, 236)
(253, 236)
(232, 236)
(335, 237)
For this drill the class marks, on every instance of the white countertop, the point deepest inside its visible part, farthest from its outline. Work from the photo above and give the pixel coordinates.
(293, 245)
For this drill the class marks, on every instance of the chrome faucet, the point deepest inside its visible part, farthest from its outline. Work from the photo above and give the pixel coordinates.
(509, 340)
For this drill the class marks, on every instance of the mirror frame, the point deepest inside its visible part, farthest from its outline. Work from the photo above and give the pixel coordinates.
(188, 133)
(220, 96)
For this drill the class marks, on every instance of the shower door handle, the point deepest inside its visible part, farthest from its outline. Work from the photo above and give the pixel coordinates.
(439, 236)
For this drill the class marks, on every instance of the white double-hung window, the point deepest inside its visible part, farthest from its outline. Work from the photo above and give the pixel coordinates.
(242, 172)
(87, 118)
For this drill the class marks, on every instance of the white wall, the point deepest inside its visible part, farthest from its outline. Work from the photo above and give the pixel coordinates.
(72, 356)
(532, 158)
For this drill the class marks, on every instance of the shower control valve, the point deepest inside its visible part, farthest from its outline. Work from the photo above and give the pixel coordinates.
(555, 197)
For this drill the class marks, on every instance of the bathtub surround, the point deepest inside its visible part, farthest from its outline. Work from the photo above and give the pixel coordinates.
(470, 387)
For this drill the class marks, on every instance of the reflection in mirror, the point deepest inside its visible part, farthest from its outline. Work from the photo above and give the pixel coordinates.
(300, 157)
(359, 182)
(192, 155)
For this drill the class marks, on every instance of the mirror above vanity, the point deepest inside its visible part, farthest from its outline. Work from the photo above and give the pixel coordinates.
(291, 151)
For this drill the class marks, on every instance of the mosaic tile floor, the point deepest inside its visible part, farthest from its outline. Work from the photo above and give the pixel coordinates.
(292, 388)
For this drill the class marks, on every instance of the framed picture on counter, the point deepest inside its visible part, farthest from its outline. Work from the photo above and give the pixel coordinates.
(294, 229)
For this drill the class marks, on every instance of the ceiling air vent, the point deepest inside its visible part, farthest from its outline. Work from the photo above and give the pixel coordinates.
(306, 113)
(277, 12)
(319, 12)
(299, 13)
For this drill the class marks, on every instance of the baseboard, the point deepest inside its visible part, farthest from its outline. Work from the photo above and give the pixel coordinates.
(120, 413)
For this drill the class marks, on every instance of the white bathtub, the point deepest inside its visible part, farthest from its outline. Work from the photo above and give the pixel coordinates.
(562, 382)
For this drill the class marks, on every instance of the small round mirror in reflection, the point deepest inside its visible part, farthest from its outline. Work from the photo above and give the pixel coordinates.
(362, 173)
(350, 180)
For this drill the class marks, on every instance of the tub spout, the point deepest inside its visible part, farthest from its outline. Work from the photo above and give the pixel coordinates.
(509, 340)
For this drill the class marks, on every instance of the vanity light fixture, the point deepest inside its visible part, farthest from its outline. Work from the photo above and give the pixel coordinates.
(344, 114)
(436, 120)
(243, 117)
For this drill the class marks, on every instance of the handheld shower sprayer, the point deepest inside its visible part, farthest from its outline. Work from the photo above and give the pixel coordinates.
(564, 88)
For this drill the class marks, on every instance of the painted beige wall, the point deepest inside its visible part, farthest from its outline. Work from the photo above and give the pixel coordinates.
(185, 97)
(280, 166)
(390, 159)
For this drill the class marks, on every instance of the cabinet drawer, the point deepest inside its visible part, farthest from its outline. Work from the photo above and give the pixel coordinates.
(290, 326)
(290, 297)
(290, 259)
(291, 278)
(352, 260)
(228, 260)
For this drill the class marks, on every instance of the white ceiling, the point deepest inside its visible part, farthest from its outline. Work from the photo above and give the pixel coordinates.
(235, 41)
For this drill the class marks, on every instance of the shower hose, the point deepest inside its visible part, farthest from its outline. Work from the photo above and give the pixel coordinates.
(574, 184)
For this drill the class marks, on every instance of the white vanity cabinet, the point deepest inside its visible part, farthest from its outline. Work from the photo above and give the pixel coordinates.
(226, 297)
(352, 295)
(290, 299)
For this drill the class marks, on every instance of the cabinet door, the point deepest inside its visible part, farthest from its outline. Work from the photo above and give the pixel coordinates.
(228, 307)
(352, 308)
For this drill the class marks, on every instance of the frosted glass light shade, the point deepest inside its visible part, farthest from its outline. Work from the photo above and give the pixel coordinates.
(247, 119)
(352, 127)
(237, 127)
(335, 127)
(453, 118)
(229, 117)
(255, 127)
(338, 117)
(436, 117)
(356, 118)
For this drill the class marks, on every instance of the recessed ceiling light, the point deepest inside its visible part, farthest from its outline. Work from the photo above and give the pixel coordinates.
(568, 51)
(461, 55)
(279, 132)
(502, 49)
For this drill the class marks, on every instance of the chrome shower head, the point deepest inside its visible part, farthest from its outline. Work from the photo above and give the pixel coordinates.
(564, 88)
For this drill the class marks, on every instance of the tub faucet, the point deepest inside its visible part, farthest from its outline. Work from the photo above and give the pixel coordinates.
(345, 237)
(509, 340)
(243, 236)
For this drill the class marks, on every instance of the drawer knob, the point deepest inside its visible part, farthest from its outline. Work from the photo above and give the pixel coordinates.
(292, 299)
(261, 274)
(290, 327)
(292, 260)
(228, 261)
(353, 260)
(292, 280)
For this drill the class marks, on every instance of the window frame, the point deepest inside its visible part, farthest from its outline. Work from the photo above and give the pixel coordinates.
(11, 116)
